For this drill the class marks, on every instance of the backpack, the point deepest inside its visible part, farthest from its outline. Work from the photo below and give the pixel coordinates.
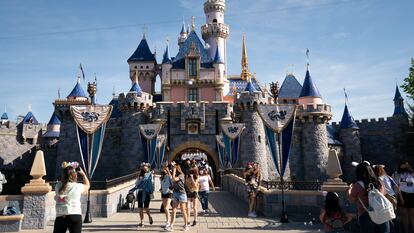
(380, 209)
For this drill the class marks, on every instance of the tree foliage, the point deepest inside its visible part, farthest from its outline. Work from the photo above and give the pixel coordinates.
(408, 85)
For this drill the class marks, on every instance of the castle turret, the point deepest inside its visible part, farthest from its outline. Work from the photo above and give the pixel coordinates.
(53, 130)
(77, 93)
(134, 106)
(220, 72)
(166, 74)
(253, 139)
(349, 136)
(215, 32)
(183, 36)
(4, 119)
(399, 109)
(143, 61)
(313, 115)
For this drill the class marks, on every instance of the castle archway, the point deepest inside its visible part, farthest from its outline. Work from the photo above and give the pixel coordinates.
(198, 150)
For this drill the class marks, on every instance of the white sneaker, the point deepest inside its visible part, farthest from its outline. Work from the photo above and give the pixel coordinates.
(186, 228)
(251, 215)
(166, 225)
(169, 229)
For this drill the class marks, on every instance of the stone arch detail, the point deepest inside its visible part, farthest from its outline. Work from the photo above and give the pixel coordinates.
(195, 144)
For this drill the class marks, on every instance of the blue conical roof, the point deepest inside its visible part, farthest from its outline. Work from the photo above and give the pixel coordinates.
(397, 95)
(54, 120)
(77, 91)
(218, 58)
(178, 61)
(347, 121)
(136, 88)
(183, 29)
(166, 58)
(309, 89)
(4, 116)
(142, 53)
(290, 88)
(30, 118)
(250, 88)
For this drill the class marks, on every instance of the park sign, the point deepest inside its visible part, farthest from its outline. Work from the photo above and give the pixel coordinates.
(91, 123)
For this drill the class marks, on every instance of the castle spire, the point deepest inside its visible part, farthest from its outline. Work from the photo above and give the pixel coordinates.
(347, 121)
(166, 57)
(244, 63)
(135, 85)
(309, 89)
(398, 103)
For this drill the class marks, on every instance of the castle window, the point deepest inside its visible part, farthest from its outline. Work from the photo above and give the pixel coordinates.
(192, 94)
(214, 20)
(136, 67)
(192, 67)
(147, 67)
(142, 67)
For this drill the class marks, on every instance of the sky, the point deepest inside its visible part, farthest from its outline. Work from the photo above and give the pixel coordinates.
(364, 46)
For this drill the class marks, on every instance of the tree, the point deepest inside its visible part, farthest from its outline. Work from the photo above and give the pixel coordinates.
(408, 85)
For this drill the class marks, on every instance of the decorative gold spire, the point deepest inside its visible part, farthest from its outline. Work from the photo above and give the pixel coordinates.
(234, 89)
(136, 76)
(192, 23)
(245, 74)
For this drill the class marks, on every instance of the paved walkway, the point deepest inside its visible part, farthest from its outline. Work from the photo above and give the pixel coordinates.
(228, 214)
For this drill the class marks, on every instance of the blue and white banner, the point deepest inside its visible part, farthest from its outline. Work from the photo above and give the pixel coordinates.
(279, 121)
(161, 143)
(221, 150)
(91, 123)
(231, 141)
(149, 133)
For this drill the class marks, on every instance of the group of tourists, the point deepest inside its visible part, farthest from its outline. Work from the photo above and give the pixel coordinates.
(384, 203)
(182, 185)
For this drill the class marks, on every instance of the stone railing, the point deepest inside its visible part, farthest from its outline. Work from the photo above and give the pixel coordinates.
(293, 185)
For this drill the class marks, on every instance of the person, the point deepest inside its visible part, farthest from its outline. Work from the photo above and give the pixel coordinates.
(204, 164)
(358, 193)
(204, 180)
(192, 185)
(404, 177)
(166, 193)
(68, 199)
(391, 188)
(332, 216)
(145, 188)
(251, 178)
(179, 197)
(2, 181)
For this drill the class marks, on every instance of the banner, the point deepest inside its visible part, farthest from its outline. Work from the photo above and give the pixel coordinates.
(90, 127)
(90, 117)
(149, 134)
(161, 143)
(220, 150)
(231, 141)
(279, 123)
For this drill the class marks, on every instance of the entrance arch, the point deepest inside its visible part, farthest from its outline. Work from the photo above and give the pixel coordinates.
(197, 145)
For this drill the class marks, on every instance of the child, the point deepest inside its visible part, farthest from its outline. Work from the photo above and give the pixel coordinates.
(332, 216)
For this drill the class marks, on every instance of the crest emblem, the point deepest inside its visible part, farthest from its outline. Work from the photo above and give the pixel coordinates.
(277, 116)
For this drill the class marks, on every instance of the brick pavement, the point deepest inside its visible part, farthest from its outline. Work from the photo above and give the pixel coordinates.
(228, 214)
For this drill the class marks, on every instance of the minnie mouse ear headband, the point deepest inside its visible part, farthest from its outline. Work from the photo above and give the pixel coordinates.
(356, 163)
(72, 164)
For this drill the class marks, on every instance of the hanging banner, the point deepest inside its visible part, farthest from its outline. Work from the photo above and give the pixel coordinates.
(277, 116)
(90, 127)
(231, 141)
(232, 130)
(161, 143)
(149, 134)
(279, 123)
(220, 150)
(90, 117)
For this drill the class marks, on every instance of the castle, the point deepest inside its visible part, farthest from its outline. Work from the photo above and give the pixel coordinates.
(197, 95)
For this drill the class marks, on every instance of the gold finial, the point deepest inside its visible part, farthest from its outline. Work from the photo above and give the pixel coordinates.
(234, 89)
(29, 107)
(192, 23)
(245, 74)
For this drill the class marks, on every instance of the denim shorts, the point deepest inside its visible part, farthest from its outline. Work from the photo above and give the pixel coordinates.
(180, 197)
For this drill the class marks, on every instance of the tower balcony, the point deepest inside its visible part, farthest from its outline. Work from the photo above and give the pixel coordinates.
(215, 30)
(214, 5)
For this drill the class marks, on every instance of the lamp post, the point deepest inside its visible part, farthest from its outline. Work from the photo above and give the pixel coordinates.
(274, 88)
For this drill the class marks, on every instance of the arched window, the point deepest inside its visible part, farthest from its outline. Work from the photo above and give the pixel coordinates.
(214, 20)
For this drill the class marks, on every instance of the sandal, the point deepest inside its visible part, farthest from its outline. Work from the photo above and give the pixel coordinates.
(150, 220)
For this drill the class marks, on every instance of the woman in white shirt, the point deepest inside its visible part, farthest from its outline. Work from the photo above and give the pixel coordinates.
(68, 195)
(166, 193)
(404, 177)
(204, 181)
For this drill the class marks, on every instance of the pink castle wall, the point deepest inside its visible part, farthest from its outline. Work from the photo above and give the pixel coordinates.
(177, 94)
(146, 86)
(207, 94)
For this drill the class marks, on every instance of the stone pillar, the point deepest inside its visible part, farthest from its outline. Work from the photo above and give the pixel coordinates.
(334, 183)
(35, 195)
